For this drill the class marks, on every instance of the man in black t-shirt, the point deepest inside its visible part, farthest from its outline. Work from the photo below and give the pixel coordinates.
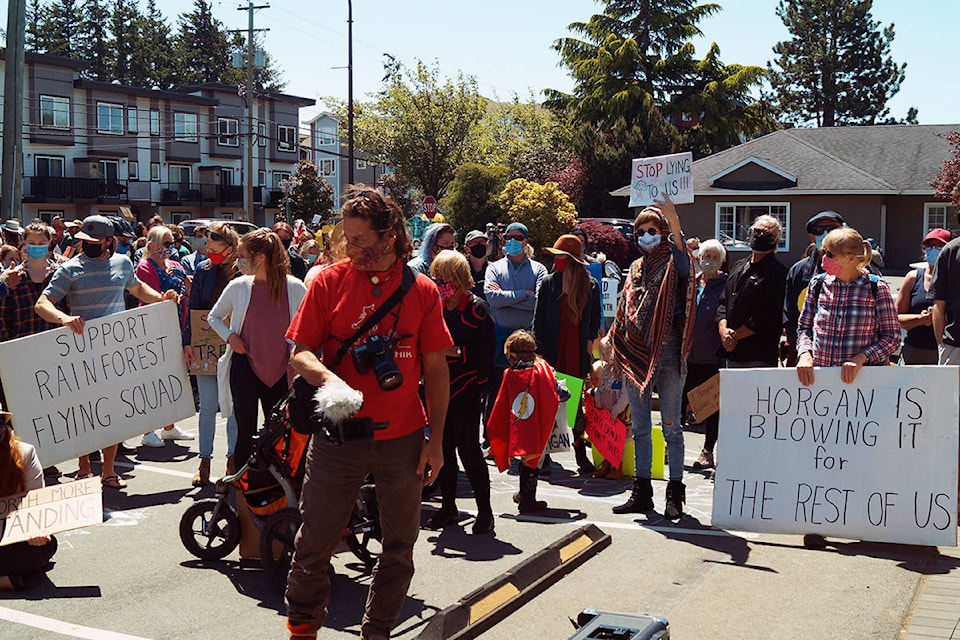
(945, 293)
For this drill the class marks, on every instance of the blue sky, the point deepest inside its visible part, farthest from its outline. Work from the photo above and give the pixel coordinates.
(505, 44)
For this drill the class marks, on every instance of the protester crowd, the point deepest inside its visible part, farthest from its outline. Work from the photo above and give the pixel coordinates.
(458, 353)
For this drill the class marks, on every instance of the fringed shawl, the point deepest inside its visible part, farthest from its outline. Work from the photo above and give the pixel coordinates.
(645, 315)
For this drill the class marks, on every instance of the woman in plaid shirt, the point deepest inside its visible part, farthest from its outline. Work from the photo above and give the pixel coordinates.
(849, 318)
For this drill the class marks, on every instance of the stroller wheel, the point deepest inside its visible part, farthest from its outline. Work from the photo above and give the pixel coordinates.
(276, 544)
(363, 534)
(210, 529)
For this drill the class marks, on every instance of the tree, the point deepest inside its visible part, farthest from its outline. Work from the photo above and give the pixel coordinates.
(472, 198)
(311, 195)
(546, 210)
(402, 193)
(201, 46)
(130, 65)
(836, 69)
(95, 43)
(265, 78)
(159, 57)
(34, 37)
(420, 125)
(608, 241)
(61, 27)
(947, 182)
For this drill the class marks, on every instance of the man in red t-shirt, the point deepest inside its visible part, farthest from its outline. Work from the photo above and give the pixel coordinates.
(340, 299)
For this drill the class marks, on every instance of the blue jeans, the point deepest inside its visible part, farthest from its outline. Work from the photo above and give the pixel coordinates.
(669, 385)
(207, 424)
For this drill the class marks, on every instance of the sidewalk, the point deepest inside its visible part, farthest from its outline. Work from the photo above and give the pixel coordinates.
(937, 614)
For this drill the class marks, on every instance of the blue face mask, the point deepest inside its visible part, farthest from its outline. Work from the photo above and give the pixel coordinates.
(648, 243)
(819, 240)
(931, 253)
(513, 247)
(123, 247)
(37, 251)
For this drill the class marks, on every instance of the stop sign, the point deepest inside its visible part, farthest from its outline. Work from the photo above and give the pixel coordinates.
(429, 205)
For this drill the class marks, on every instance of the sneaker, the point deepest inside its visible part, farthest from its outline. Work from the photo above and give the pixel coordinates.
(705, 461)
(151, 440)
(176, 434)
(814, 541)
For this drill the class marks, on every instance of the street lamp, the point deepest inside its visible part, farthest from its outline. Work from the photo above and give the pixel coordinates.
(287, 185)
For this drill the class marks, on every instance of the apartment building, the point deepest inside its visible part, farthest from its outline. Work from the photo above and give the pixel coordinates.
(326, 147)
(94, 147)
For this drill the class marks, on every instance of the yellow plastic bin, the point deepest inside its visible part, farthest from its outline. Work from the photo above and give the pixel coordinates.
(628, 464)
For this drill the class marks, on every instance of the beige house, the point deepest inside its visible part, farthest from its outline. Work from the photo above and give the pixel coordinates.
(877, 177)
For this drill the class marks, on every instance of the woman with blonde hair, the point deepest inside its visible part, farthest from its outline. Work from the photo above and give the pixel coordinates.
(210, 278)
(470, 360)
(260, 305)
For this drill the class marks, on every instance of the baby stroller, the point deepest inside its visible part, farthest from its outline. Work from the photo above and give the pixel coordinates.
(270, 482)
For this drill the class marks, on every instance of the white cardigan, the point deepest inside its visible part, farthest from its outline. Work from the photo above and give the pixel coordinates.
(233, 302)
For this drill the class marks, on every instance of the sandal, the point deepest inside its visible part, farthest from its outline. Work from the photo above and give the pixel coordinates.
(84, 476)
(114, 482)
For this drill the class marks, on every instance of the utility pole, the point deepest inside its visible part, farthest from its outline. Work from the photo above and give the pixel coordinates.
(11, 181)
(349, 91)
(250, 95)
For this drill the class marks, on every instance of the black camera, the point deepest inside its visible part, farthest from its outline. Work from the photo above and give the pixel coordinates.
(377, 352)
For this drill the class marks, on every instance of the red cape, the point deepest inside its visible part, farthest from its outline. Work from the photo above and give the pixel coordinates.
(523, 414)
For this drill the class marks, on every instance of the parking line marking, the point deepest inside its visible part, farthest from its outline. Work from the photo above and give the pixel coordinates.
(65, 628)
(145, 467)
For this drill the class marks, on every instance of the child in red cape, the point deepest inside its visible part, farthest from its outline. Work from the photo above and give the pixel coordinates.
(523, 415)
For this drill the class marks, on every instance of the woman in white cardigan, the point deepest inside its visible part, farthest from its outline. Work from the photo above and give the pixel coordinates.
(259, 305)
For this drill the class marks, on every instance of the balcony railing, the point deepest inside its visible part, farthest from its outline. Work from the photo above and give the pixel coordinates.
(60, 189)
(191, 193)
(96, 190)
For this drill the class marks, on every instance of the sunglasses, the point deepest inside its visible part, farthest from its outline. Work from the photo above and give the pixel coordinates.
(216, 237)
(167, 245)
(820, 230)
(651, 231)
(515, 236)
(449, 247)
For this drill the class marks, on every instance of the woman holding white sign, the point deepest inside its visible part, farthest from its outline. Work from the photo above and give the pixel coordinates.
(260, 305)
(19, 472)
(649, 342)
(849, 319)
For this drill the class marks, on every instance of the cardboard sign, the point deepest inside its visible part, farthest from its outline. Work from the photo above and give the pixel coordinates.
(609, 297)
(561, 437)
(607, 433)
(872, 460)
(206, 344)
(653, 178)
(123, 376)
(575, 387)
(704, 399)
(50, 510)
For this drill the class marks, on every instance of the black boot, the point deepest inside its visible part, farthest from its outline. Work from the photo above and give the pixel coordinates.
(676, 496)
(528, 491)
(584, 464)
(640, 500)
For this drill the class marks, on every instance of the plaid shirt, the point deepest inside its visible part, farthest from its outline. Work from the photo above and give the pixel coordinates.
(847, 319)
(17, 317)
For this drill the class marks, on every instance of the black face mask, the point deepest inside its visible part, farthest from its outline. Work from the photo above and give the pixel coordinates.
(286, 242)
(478, 250)
(92, 250)
(762, 240)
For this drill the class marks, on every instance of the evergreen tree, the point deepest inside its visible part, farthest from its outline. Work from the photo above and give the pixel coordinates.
(35, 39)
(96, 44)
(202, 46)
(836, 69)
(312, 195)
(265, 78)
(159, 57)
(130, 65)
(62, 27)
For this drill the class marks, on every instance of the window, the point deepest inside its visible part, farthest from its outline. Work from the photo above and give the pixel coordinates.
(109, 118)
(327, 167)
(49, 166)
(226, 177)
(361, 164)
(155, 172)
(185, 127)
(734, 220)
(286, 138)
(132, 119)
(110, 170)
(278, 176)
(54, 112)
(154, 122)
(939, 215)
(262, 178)
(180, 174)
(326, 135)
(227, 130)
(133, 170)
(48, 216)
(262, 134)
(177, 217)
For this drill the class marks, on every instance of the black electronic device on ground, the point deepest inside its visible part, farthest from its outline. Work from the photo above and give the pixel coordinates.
(594, 624)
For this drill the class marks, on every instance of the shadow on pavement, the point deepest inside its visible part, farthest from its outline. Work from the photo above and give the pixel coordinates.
(916, 558)
(119, 500)
(170, 452)
(348, 598)
(690, 530)
(39, 586)
(454, 542)
(247, 577)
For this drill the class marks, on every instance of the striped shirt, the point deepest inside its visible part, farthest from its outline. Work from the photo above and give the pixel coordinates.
(845, 319)
(94, 288)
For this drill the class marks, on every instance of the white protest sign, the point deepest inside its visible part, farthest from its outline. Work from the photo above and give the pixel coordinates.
(872, 460)
(560, 438)
(123, 376)
(609, 297)
(50, 510)
(653, 178)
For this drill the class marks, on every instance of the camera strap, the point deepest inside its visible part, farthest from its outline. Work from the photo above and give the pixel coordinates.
(406, 282)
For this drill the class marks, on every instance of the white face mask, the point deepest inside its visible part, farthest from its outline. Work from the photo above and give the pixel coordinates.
(648, 243)
(709, 265)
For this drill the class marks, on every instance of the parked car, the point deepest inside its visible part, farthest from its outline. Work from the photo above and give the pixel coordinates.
(238, 226)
